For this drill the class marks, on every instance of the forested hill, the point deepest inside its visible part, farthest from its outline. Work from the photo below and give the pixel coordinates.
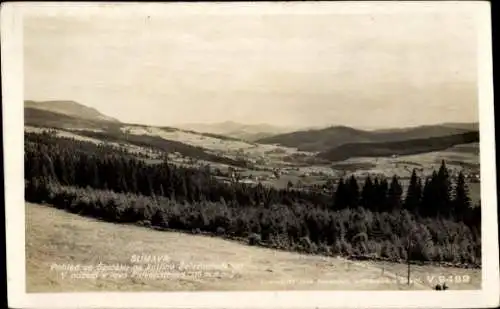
(326, 139)
(69, 108)
(406, 147)
(49, 119)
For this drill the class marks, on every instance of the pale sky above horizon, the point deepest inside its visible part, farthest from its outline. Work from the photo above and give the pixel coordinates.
(362, 70)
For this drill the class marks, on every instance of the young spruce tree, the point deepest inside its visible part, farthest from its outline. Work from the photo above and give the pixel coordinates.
(413, 194)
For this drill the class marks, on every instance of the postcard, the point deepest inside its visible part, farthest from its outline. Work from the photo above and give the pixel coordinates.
(249, 155)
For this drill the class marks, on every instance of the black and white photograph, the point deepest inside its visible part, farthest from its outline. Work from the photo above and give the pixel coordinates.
(226, 148)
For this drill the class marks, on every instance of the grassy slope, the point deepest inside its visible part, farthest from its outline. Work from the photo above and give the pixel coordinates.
(54, 236)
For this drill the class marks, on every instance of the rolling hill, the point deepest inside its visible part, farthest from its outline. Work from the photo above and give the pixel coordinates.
(330, 144)
(45, 118)
(189, 144)
(328, 138)
(111, 132)
(233, 129)
(466, 126)
(404, 147)
(69, 108)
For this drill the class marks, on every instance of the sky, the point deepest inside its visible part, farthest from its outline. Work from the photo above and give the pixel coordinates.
(291, 67)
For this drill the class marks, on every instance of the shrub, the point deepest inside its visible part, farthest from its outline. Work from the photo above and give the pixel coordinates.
(280, 241)
(145, 223)
(254, 239)
(159, 219)
(313, 249)
(374, 248)
(306, 245)
(388, 250)
(337, 248)
(305, 242)
(324, 249)
(220, 230)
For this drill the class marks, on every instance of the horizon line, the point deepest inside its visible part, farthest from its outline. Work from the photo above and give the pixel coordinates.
(289, 126)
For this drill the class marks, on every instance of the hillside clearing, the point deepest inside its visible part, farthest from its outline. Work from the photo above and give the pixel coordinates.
(207, 142)
(57, 237)
(73, 134)
(215, 144)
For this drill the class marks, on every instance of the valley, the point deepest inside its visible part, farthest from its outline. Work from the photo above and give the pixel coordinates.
(292, 203)
(270, 164)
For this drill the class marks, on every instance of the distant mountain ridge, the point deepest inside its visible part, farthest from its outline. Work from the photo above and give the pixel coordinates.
(250, 132)
(325, 139)
(69, 108)
(473, 126)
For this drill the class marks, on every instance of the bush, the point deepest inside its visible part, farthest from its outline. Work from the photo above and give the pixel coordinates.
(280, 241)
(220, 230)
(374, 248)
(388, 250)
(159, 219)
(254, 239)
(305, 244)
(145, 223)
(324, 249)
(337, 248)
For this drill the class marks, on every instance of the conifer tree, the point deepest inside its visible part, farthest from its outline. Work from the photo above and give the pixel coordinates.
(340, 195)
(381, 196)
(376, 203)
(394, 194)
(428, 205)
(443, 191)
(413, 194)
(367, 194)
(461, 201)
(425, 207)
(352, 192)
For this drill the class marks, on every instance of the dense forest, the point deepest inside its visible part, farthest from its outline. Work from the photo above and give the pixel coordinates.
(405, 147)
(371, 218)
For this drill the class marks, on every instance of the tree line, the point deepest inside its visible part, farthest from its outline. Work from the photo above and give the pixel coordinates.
(80, 163)
(347, 232)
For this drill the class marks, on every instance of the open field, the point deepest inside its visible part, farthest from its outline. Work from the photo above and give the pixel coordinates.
(54, 238)
(73, 134)
(459, 157)
(216, 144)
